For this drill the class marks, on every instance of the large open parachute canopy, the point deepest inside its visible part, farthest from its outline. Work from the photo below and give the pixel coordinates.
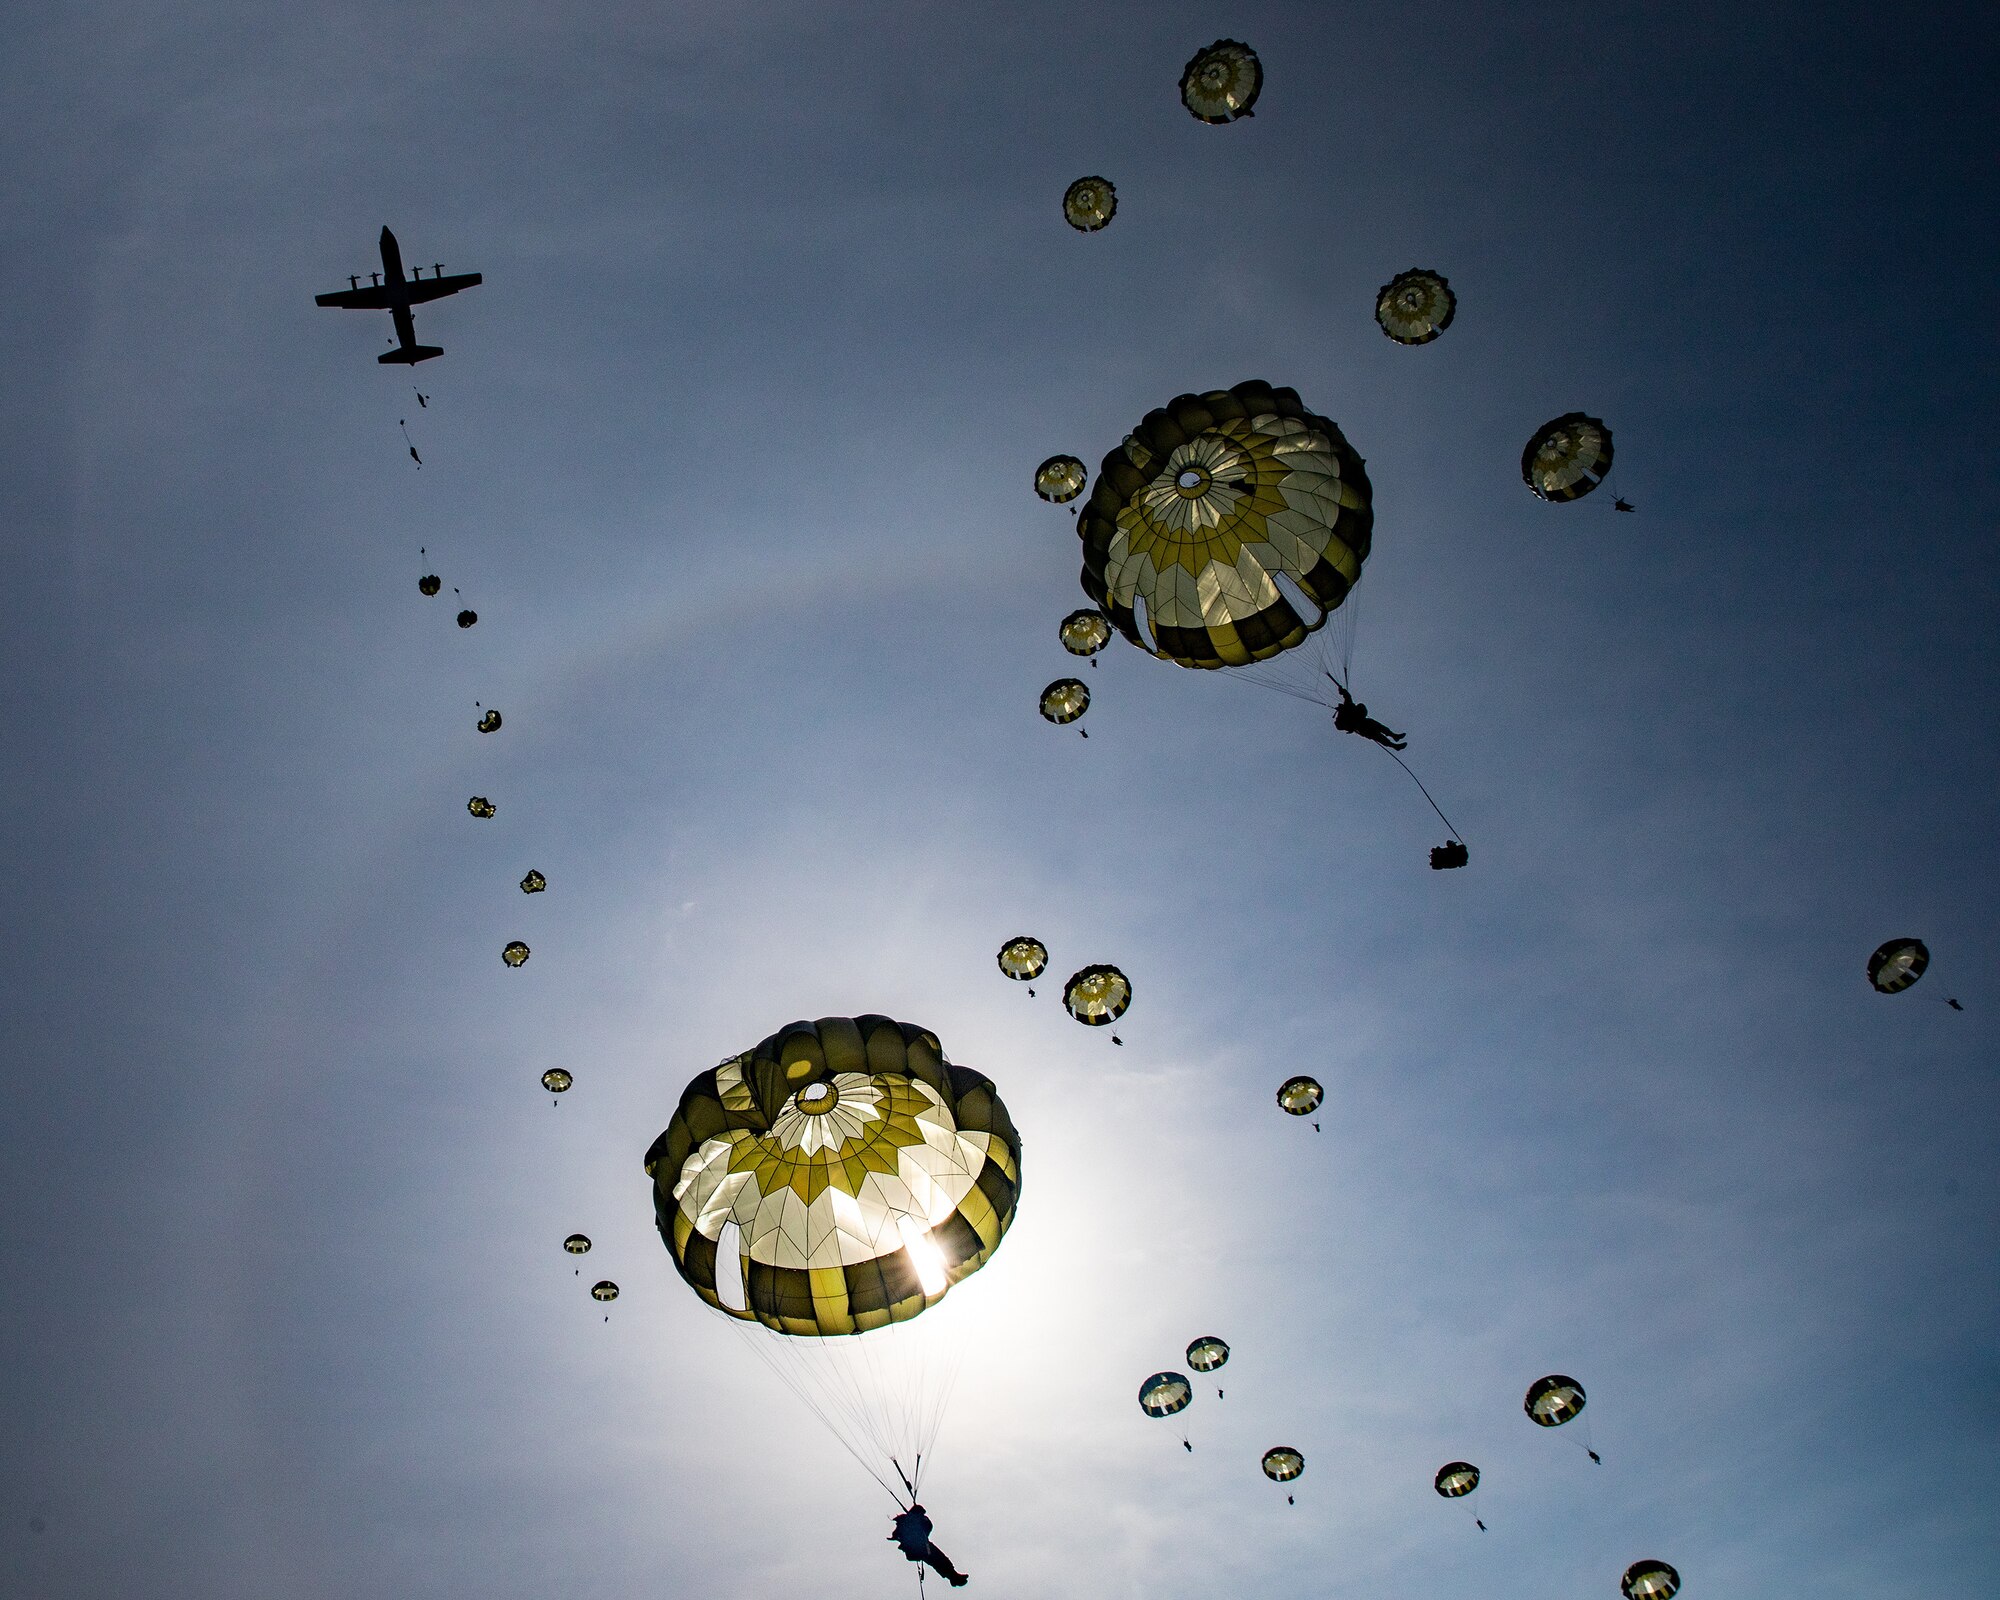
(577, 1244)
(1282, 1464)
(1553, 1400)
(1164, 1393)
(1300, 1096)
(1097, 996)
(1414, 307)
(556, 1081)
(1023, 958)
(852, 1171)
(1567, 458)
(1207, 1353)
(1456, 1479)
(1090, 203)
(1221, 83)
(1085, 632)
(1226, 527)
(1898, 964)
(1065, 700)
(1649, 1580)
(1060, 479)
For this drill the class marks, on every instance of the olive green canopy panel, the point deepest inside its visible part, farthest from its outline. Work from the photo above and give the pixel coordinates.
(1567, 458)
(864, 1172)
(1649, 1580)
(1060, 479)
(1898, 964)
(1023, 958)
(1300, 1097)
(1414, 307)
(1283, 1463)
(1553, 1400)
(1164, 1393)
(1456, 1479)
(1090, 203)
(1206, 506)
(1207, 1353)
(1065, 700)
(1097, 996)
(1222, 83)
(1084, 632)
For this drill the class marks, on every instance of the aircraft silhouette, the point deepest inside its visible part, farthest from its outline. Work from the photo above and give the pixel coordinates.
(396, 295)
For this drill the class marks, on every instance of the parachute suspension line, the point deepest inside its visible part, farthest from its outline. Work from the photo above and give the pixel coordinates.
(1419, 782)
(812, 1404)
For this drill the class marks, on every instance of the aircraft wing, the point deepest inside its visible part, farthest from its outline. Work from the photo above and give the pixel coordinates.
(373, 298)
(422, 289)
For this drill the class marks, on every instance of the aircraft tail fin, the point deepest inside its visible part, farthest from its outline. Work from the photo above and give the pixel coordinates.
(410, 354)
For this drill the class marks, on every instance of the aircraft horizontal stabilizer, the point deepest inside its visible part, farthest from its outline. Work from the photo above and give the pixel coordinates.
(410, 354)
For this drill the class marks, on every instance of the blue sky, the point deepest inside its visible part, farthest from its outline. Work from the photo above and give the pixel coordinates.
(731, 452)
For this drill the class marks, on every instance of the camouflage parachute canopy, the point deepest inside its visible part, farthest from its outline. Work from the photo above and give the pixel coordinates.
(1456, 1479)
(1567, 458)
(1898, 964)
(1283, 1463)
(1023, 958)
(1084, 632)
(1222, 83)
(1164, 1393)
(1209, 509)
(1060, 479)
(1207, 1353)
(1089, 203)
(1553, 1400)
(1097, 996)
(1414, 307)
(1065, 700)
(858, 1172)
(1649, 1580)
(1300, 1096)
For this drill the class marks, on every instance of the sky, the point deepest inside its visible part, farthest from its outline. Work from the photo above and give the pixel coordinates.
(731, 452)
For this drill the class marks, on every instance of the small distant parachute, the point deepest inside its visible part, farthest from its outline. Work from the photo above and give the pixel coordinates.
(534, 882)
(1089, 203)
(1060, 479)
(1898, 964)
(1649, 1580)
(1024, 958)
(1553, 1400)
(557, 1081)
(1207, 1353)
(1414, 307)
(467, 618)
(1283, 1463)
(480, 806)
(1065, 700)
(430, 583)
(1567, 458)
(1097, 996)
(515, 954)
(604, 1289)
(1164, 1393)
(1300, 1096)
(1222, 83)
(490, 722)
(1456, 1479)
(577, 1244)
(1084, 632)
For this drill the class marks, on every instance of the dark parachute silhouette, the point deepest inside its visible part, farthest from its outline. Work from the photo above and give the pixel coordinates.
(1060, 479)
(604, 1290)
(1097, 996)
(840, 1177)
(1089, 203)
(1414, 307)
(1455, 1480)
(556, 1081)
(489, 723)
(480, 806)
(1282, 1464)
(533, 883)
(1898, 964)
(1554, 1400)
(1208, 1354)
(467, 618)
(429, 583)
(1084, 632)
(1567, 458)
(1064, 701)
(1448, 855)
(1222, 83)
(577, 1244)
(1300, 1097)
(516, 954)
(1649, 1580)
(1023, 958)
(1165, 1393)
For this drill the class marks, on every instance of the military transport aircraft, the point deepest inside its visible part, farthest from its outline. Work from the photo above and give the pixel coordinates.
(391, 292)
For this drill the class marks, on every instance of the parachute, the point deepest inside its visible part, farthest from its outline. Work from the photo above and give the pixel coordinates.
(1456, 1479)
(1300, 1096)
(556, 1081)
(534, 882)
(1898, 964)
(839, 1177)
(1414, 307)
(429, 584)
(1649, 1580)
(1060, 479)
(490, 723)
(467, 618)
(1089, 203)
(1282, 1464)
(1207, 1353)
(1567, 458)
(1097, 996)
(604, 1289)
(1209, 510)
(1553, 1400)
(1084, 632)
(480, 806)
(1023, 958)
(577, 1244)
(1222, 83)
(516, 954)
(1164, 1393)
(1064, 701)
